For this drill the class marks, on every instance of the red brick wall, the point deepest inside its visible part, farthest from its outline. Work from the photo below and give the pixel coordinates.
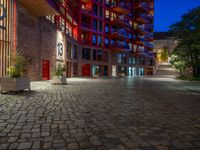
(36, 40)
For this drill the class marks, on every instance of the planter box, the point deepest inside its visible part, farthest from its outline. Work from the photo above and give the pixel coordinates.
(96, 76)
(14, 84)
(59, 80)
(121, 74)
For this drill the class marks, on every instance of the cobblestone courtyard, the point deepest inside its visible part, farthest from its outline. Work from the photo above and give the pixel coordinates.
(126, 113)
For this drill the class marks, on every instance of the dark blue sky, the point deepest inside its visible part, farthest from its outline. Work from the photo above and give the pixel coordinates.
(168, 12)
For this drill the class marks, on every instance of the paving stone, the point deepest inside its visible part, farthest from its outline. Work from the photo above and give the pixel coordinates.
(4, 146)
(25, 145)
(13, 146)
(12, 139)
(126, 113)
(36, 145)
(72, 146)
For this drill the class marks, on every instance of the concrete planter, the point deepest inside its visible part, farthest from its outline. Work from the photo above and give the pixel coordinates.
(14, 84)
(95, 75)
(121, 75)
(59, 80)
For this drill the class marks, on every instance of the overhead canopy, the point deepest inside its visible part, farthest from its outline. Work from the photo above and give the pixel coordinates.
(40, 7)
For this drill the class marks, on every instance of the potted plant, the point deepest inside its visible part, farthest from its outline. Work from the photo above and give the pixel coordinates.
(58, 77)
(15, 79)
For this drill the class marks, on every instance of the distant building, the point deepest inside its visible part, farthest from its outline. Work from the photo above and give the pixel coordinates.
(164, 40)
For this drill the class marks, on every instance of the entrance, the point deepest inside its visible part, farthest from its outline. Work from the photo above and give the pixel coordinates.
(114, 71)
(131, 71)
(45, 70)
(140, 71)
(86, 70)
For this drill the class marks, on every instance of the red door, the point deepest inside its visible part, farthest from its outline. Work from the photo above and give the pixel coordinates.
(86, 70)
(45, 70)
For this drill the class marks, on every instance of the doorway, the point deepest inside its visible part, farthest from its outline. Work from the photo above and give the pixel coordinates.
(45, 70)
(86, 70)
(114, 71)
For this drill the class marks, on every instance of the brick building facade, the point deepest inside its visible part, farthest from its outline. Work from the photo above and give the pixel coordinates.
(49, 32)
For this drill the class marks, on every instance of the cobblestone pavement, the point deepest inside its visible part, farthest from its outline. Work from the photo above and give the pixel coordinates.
(102, 114)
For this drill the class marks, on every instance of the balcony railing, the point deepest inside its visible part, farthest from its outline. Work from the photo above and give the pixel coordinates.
(141, 18)
(121, 33)
(118, 45)
(142, 6)
(121, 22)
(120, 7)
(148, 45)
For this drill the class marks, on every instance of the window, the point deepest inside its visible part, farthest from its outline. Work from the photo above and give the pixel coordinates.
(74, 52)
(123, 58)
(107, 28)
(99, 40)
(101, 12)
(99, 55)
(130, 60)
(134, 60)
(107, 2)
(94, 39)
(95, 24)
(106, 42)
(94, 54)
(119, 58)
(86, 53)
(95, 8)
(113, 16)
(107, 14)
(100, 26)
(142, 60)
(69, 51)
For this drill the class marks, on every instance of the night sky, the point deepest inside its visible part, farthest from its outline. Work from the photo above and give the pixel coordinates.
(168, 12)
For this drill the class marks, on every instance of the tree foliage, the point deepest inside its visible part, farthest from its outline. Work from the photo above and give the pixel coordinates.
(187, 53)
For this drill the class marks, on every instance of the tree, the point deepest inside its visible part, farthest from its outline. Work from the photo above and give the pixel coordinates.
(188, 50)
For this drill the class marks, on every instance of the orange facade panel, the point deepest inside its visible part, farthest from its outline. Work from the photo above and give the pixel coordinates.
(39, 7)
(120, 10)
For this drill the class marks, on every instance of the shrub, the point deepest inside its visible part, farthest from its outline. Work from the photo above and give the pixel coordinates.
(59, 71)
(18, 68)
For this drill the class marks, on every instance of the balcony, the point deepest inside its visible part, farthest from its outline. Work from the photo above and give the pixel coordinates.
(148, 46)
(150, 18)
(149, 28)
(120, 48)
(120, 8)
(41, 7)
(118, 35)
(140, 31)
(149, 38)
(121, 23)
(141, 7)
(141, 19)
(139, 41)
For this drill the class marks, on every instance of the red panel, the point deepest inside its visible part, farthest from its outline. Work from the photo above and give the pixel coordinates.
(45, 70)
(86, 70)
